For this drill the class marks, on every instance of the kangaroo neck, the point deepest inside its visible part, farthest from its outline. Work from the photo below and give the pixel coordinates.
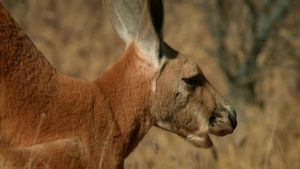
(127, 87)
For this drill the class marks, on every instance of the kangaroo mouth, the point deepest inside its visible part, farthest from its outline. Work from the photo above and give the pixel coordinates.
(202, 140)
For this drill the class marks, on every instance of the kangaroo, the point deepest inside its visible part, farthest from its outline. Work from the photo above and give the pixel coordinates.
(50, 120)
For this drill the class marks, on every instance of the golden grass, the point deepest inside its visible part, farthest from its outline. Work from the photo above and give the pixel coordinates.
(78, 39)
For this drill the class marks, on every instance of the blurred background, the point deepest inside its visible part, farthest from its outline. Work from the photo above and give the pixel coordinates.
(248, 49)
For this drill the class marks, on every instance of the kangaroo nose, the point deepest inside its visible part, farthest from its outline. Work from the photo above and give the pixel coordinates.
(232, 118)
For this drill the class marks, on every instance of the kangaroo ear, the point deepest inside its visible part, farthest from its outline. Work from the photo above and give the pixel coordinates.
(133, 23)
(157, 15)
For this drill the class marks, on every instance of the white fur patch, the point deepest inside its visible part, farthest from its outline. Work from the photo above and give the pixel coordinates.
(158, 70)
(194, 138)
(153, 85)
(164, 125)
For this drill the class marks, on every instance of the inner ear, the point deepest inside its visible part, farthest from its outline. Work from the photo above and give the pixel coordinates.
(133, 22)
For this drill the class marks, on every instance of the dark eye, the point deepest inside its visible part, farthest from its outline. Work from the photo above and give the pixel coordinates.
(197, 80)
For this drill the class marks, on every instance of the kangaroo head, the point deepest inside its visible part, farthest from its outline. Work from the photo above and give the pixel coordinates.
(182, 101)
(187, 104)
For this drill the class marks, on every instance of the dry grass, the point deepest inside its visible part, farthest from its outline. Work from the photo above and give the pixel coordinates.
(78, 39)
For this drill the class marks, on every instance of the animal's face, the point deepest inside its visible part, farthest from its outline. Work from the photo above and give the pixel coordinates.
(188, 105)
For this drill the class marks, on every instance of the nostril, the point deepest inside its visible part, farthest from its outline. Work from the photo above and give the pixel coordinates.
(231, 116)
(233, 120)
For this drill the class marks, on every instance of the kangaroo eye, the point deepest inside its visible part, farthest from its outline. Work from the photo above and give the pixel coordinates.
(196, 80)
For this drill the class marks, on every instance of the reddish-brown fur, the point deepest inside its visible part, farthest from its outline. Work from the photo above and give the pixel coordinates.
(39, 106)
(49, 120)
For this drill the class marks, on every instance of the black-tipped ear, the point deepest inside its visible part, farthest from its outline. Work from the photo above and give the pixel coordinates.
(156, 9)
(157, 16)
